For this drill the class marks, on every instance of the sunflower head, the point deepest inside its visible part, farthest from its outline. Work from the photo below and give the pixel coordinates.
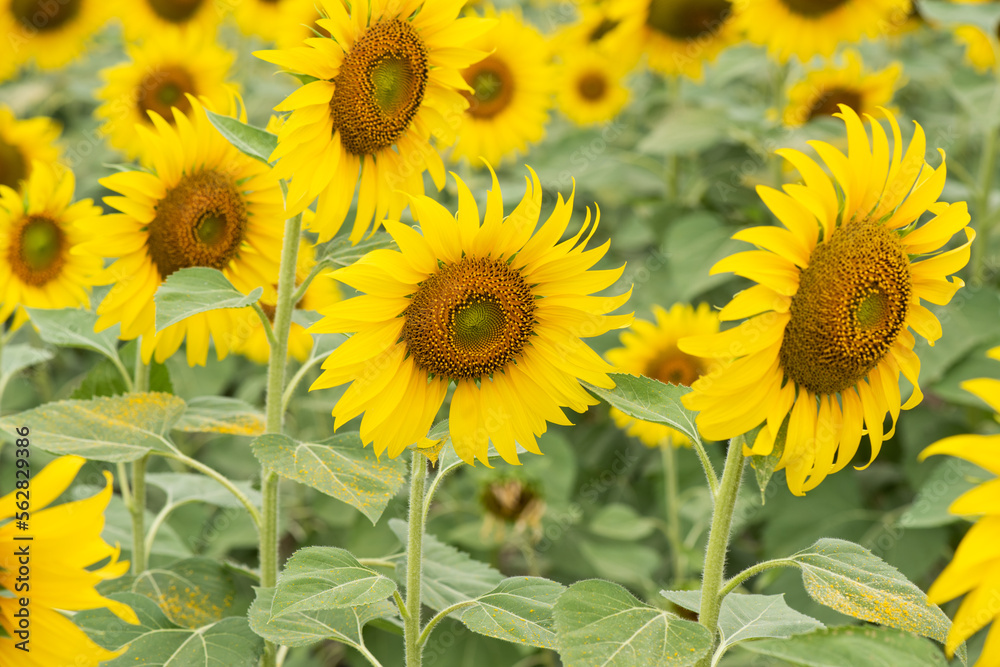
(22, 142)
(839, 289)
(591, 89)
(175, 17)
(50, 34)
(822, 91)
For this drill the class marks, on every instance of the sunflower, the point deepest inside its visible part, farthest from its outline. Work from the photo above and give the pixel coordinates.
(204, 204)
(806, 28)
(40, 230)
(980, 47)
(975, 568)
(65, 545)
(162, 72)
(498, 308)
(268, 19)
(22, 142)
(511, 94)
(591, 89)
(49, 33)
(650, 349)
(822, 91)
(322, 292)
(678, 36)
(385, 80)
(606, 27)
(838, 290)
(143, 18)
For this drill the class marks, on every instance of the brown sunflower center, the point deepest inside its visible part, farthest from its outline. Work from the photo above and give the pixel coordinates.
(849, 309)
(166, 88)
(38, 249)
(470, 319)
(687, 19)
(826, 104)
(380, 87)
(45, 15)
(200, 222)
(508, 499)
(813, 8)
(675, 367)
(13, 167)
(175, 11)
(592, 86)
(492, 84)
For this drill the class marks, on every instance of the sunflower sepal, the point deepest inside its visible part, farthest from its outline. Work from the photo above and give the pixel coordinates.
(249, 140)
(194, 290)
(765, 465)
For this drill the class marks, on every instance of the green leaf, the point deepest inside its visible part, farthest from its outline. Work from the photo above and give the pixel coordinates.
(158, 642)
(600, 624)
(105, 429)
(327, 578)
(183, 487)
(746, 617)
(196, 290)
(73, 327)
(518, 610)
(947, 482)
(650, 400)
(304, 628)
(852, 580)
(449, 575)
(850, 646)
(685, 130)
(18, 357)
(983, 16)
(340, 467)
(764, 466)
(105, 378)
(252, 141)
(192, 592)
(221, 414)
(618, 521)
(340, 252)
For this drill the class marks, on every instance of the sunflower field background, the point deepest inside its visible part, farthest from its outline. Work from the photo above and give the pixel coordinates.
(454, 220)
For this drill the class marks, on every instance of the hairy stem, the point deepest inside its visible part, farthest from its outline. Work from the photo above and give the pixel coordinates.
(414, 560)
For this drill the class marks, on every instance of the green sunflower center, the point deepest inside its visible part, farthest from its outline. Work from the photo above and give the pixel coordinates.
(850, 307)
(687, 20)
(592, 86)
(45, 15)
(175, 11)
(380, 87)
(13, 167)
(675, 367)
(201, 221)
(163, 89)
(38, 249)
(813, 8)
(492, 84)
(826, 104)
(469, 320)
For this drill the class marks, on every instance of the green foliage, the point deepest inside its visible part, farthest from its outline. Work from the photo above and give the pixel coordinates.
(252, 141)
(220, 414)
(182, 487)
(187, 292)
(344, 624)
(327, 578)
(650, 400)
(340, 252)
(72, 327)
(850, 646)
(518, 610)
(195, 591)
(18, 357)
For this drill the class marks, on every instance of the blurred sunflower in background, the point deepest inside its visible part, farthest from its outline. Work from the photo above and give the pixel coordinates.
(268, 19)
(590, 87)
(41, 234)
(204, 204)
(511, 93)
(974, 570)
(605, 27)
(24, 142)
(143, 18)
(822, 91)
(838, 289)
(980, 47)
(162, 72)
(493, 305)
(650, 349)
(47, 33)
(297, 23)
(806, 28)
(386, 80)
(66, 546)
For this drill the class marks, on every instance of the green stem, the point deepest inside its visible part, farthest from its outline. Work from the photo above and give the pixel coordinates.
(123, 485)
(297, 378)
(753, 571)
(672, 506)
(673, 166)
(221, 479)
(706, 464)
(434, 485)
(266, 323)
(426, 634)
(138, 511)
(414, 560)
(780, 74)
(276, 367)
(300, 291)
(987, 164)
(718, 540)
(141, 382)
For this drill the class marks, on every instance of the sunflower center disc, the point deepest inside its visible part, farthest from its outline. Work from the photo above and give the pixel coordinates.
(850, 308)
(675, 367)
(380, 87)
(687, 19)
(38, 250)
(493, 87)
(813, 7)
(827, 104)
(164, 89)
(592, 86)
(12, 165)
(45, 15)
(200, 222)
(469, 320)
(175, 11)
